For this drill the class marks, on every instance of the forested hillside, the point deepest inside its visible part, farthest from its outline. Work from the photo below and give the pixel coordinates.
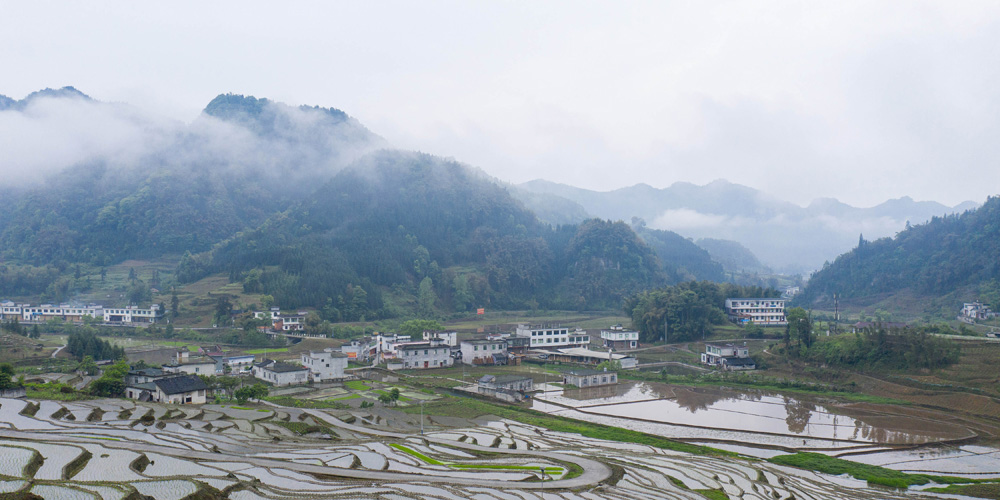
(440, 231)
(933, 259)
(306, 205)
(683, 260)
(733, 256)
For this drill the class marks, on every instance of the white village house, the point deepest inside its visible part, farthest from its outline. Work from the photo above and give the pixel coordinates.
(280, 374)
(325, 365)
(177, 389)
(552, 337)
(619, 338)
(432, 354)
(484, 351)
(763, 312)
(728, 357)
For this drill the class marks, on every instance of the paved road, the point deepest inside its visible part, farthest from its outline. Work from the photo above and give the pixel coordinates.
(55, 352)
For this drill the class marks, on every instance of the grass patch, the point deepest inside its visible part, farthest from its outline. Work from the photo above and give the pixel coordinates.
(267, 351)
(33, 465)
(302, 428)
(30, 409)
(386, 393)
(548, 470)
(982, 490)
(713, 494)
(179, 343)
(76, 465)
(55, 392)
(417, 454)
(241, 408)
(762, 383)
(432, 461)
(357, 385)
(873, 474)
(349, 396)
(471, 408)
(306, 403)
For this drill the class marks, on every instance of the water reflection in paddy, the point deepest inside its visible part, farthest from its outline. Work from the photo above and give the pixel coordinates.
(748, 411)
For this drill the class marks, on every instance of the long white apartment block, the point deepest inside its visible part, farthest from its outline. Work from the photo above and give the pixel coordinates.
(764, 312)
(545, 337)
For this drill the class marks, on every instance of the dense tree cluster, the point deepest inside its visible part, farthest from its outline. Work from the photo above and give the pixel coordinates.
(7, 376)
(111, 384)
(84, 343)
(685, 311)
(880, 347)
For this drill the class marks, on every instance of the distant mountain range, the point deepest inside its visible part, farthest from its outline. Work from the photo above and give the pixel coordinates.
(784, 236)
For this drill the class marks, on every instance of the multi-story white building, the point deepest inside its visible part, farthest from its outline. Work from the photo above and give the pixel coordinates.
(552, 337)
(728, 356)
(45, 312)
(325, 365)
(77, 313)
(133, 314)
(431, 354)
(386, 345)
(484, 351)
(283, 322)
(450, 338)
(619, 338)
(977, 310)
(764, 312)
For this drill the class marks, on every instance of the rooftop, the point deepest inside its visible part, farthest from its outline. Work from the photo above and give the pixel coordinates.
(147, 372)
(584, 352)
(419, 345)
(279, 367)
(586, 373)
(481, 341)
(181, 384)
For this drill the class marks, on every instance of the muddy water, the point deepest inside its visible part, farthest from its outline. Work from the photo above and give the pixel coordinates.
(749, 412)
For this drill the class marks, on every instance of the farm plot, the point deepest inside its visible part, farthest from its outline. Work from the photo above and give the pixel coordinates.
(498, 460)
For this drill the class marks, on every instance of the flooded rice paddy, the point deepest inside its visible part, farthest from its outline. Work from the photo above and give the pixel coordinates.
(764, 425)
(252, 454)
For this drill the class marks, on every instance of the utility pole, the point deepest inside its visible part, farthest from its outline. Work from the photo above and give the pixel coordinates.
(836, 313)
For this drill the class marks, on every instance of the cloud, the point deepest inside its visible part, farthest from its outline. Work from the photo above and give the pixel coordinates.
(685, 218)
(52, 134)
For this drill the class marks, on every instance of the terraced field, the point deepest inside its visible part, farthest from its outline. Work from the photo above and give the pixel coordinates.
(110, 449)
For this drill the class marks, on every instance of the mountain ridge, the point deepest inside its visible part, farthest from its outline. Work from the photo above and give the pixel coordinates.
(762, 223)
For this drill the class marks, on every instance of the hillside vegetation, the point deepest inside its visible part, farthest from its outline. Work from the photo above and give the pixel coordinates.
(934, 259)
(304, 204)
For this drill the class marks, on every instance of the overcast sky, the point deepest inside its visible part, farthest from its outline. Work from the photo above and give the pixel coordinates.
(862, 101)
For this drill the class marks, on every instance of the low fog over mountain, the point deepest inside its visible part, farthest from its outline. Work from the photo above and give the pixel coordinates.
(784, 236)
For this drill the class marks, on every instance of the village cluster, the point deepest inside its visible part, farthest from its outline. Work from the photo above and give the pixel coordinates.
(178, 380)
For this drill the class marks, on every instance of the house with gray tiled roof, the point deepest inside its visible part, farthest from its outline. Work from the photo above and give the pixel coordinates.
(178, 389)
